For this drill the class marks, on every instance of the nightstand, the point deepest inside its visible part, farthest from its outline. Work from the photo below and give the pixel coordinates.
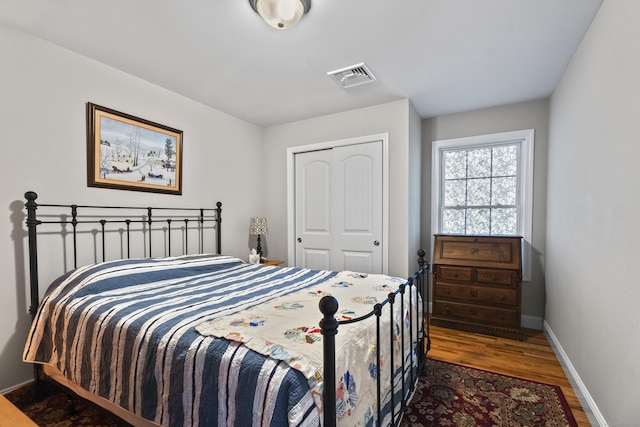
(271, 262)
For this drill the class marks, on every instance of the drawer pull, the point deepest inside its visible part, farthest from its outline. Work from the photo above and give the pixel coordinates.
(473, 293)
(473, 311)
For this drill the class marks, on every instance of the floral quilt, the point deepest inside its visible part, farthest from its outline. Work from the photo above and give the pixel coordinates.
(286, 328)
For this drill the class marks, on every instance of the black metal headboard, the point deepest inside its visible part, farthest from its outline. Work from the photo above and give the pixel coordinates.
(130, 220)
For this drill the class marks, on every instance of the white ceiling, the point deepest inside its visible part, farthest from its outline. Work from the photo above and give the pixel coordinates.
(446, 56)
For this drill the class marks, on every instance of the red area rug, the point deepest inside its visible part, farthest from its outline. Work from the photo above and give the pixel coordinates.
(454, 395)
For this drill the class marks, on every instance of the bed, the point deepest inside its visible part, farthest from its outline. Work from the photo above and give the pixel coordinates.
(184, 335)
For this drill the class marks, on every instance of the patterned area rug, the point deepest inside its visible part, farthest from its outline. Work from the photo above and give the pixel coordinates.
(53, 409)
(454, 395)
(449, 395)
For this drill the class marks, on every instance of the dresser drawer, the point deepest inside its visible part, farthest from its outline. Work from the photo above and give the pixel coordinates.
(462, 274)
(478, 251)
(497, 277)
(479, 294)
(476, 313)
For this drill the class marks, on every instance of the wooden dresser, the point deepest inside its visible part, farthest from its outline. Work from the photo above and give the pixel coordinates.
(477, 284)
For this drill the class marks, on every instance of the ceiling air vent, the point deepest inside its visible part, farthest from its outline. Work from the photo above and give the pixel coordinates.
(353, 75)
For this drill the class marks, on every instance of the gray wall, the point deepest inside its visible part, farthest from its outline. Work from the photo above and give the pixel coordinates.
(528, 115)
(593, 291)
(42, 116)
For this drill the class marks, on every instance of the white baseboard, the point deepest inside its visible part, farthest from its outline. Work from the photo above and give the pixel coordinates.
(7, 390)
(575, 378)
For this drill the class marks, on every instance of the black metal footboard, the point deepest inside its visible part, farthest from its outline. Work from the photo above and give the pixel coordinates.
(418, 334)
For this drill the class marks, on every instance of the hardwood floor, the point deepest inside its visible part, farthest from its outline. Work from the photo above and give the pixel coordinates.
(533, 359)
(11, 416)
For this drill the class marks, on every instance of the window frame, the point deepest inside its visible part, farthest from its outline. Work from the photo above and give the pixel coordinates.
(524, 178)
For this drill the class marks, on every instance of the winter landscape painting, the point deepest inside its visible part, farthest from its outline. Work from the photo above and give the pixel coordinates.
(130, 153)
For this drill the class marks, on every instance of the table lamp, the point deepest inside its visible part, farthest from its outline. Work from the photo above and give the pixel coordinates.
(258, 227)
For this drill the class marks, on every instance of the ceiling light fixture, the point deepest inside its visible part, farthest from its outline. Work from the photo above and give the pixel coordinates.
(281, 14)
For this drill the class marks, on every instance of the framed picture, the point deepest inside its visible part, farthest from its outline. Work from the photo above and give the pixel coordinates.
(129, 153)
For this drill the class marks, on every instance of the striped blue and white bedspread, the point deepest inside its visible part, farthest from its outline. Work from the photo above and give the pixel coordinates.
(125, 330)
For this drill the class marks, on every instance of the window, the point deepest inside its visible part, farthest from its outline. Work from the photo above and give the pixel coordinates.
(483, 186)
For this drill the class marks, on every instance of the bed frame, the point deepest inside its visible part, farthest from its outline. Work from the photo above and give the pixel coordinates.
(141, 223)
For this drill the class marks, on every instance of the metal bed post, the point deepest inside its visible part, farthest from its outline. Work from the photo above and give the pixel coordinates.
(149, 221)
(392, 299)
(32, 223)
(186, 236)
(74, 225)
(423, 286)
(201, 220)
(219, 224)
(31, 206)
(329, 329)
(103, 223)
(414, 325)
(169, 236)
(402, 353)
(128, 222)
(378, 312)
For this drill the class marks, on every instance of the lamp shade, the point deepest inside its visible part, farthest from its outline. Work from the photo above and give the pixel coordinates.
(281, 14)
(258, 225)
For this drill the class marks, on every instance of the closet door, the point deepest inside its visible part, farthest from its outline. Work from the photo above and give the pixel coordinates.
(339, 208)
(313, 209)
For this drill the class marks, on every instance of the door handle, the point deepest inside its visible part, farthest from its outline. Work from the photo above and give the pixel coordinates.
(376, 243)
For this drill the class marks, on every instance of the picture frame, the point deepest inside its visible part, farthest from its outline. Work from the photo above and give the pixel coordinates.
(130, 153)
